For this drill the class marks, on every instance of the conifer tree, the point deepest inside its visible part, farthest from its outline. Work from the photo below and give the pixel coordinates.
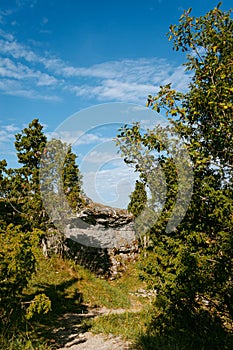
(72, 179)
(25, 189)
(60, 178)
(29, 145)
(138, 199)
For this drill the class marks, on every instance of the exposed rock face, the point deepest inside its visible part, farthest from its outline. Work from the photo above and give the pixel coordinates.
(100, 237)
(102, 227)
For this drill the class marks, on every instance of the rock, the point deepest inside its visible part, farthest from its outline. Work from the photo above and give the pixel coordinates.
(101, 226)
(99, 237)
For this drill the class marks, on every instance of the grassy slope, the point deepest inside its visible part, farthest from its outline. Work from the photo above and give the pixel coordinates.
(73, 289)
(63, 281)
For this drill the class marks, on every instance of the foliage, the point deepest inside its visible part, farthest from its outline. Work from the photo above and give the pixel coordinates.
(22, 342)
(41, 304)
(23, 223)
(138, 199)
(30, 145)
(143, 329)
(21, 186)
(17, 264)
(60, 179)
(191, 266)
(3, 165)
(72, 179)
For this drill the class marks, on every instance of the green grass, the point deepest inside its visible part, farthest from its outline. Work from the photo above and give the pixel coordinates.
(141, 329)
(22, 342)
(63, 281)
(72, 289)
(98, 292)
(129, 325)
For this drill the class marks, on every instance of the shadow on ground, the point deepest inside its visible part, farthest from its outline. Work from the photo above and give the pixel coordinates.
(63, 323)
(186, 331)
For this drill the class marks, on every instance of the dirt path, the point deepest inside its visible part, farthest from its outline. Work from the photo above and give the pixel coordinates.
(71, 336)
(89, 341)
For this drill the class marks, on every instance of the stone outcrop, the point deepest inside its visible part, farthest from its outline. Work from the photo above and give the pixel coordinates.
(101, 226)
(99, 237)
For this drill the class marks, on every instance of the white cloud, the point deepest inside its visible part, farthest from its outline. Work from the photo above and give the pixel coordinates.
(11, 128)
(112, 186)
(18, 79)
(17, 51)
(87, 139)
(128, 80)
(179, 78)
(6, 36)
(122, 91)
(44, 79)
(44, 21)
(18, 71)
(139, 70)
(110, 90)
(77, 137)
(68, 137)
(7, 134)
(30, 3)
(101, 157)
(32, 94)
(4, 14)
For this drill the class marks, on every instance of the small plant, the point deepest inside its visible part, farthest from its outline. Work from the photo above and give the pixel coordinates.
(41, 304)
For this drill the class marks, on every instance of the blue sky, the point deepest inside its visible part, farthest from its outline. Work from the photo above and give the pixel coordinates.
(58, 58)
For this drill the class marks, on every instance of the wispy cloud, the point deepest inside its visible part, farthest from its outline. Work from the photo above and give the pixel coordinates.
(18, 71)
(90, 138)
(4, 14)
(6, 35)
(78, 137)
(11, 128)
(33, 95)
(101, 157)
(129, 80)
(30, 3)
(7, 136)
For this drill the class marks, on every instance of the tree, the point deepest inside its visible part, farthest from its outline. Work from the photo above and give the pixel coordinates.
(23, 215)
(60, 179)
(72, 180)
(24, 190)
(3, 165)
(191, 266)
(17, 263)
(21, 203)
(138, 199)
(29, 145)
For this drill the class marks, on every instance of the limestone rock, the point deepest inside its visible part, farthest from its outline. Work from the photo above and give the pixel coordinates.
(99, 237)
(101, 226)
